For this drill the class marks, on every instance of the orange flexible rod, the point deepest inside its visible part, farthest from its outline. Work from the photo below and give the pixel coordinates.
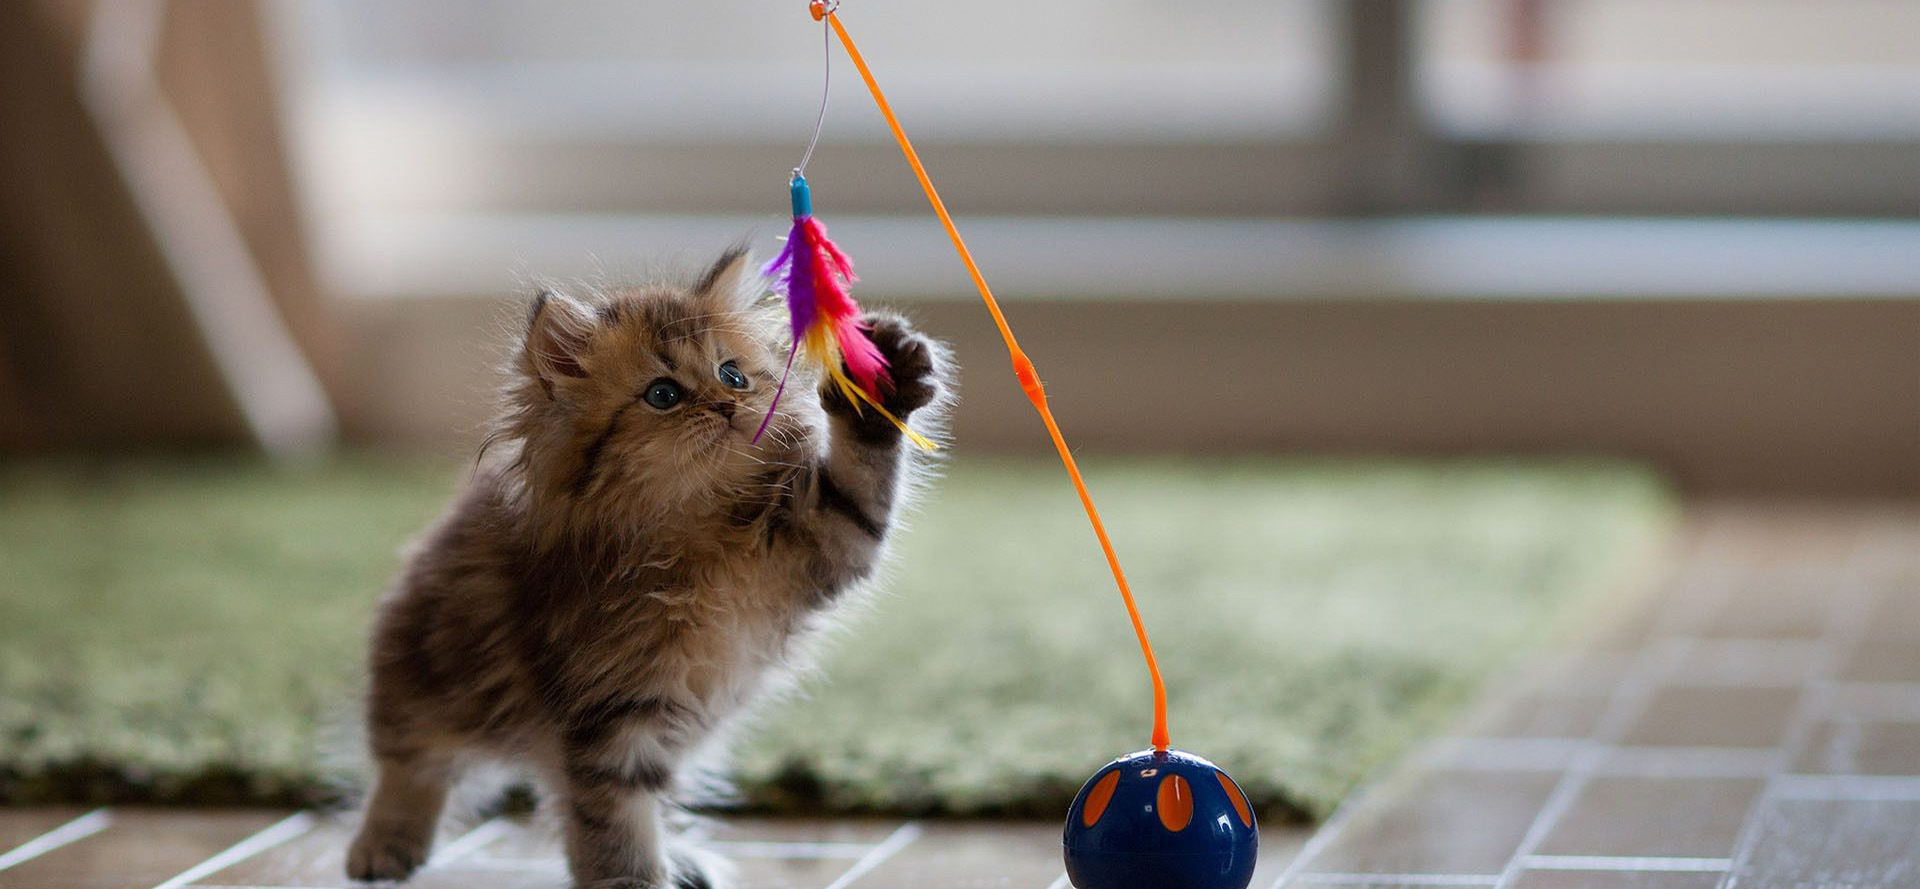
(1022, 368)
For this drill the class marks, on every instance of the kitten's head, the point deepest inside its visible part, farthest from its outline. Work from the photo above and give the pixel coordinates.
(638, 404)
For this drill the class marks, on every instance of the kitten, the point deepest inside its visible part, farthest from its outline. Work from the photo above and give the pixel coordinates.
(627, 570)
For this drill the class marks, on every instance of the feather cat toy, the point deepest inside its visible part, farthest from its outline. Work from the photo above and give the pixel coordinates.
(1160, 817)
(815, 276)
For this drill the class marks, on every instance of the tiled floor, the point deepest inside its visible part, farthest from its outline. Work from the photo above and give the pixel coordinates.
(140, 849)
(1755, 724)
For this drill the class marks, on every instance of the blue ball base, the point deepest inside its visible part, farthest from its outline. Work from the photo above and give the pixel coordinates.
(1160, 820)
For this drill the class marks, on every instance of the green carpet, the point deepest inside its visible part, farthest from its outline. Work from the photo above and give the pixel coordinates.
(191, 631)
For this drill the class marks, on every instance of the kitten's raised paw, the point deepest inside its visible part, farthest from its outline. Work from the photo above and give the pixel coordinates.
(912, 362)
(384, 857)
(913, 368)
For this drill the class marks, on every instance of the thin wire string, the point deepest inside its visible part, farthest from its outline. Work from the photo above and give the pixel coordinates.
(826, 89)
(1023, 369)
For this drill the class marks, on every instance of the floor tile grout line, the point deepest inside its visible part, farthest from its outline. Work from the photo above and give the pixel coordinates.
(1558, 802)
(483, 833)
(1770, 652)
(1343, 814)
(1671, 612)
(734, 848)
(72, 831)
(510, 865)
(1842, 634)
(1631, 695)
(1631, 863)
(1414, 879)
(1877, 701)
(1476, 754)
(1499, 754)
(801, 849)
(902, 837)
(229, 886)
(1633, 690)
(1689, 762)
(1846, 788)
(1346, 812)
(273, 835)
(1350, 808)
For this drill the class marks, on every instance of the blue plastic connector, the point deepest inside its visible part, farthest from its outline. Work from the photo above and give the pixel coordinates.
(802, 196)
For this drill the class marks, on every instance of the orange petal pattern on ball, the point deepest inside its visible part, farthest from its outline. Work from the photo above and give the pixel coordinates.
(1239, 799)
(1174, 802)
(1098, 797)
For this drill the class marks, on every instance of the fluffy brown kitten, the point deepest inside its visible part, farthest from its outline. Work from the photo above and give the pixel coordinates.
(627, 570)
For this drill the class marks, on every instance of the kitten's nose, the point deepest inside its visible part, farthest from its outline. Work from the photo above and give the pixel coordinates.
(723, 408)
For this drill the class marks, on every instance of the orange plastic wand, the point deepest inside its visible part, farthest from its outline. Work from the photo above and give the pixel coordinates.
(1022, 367)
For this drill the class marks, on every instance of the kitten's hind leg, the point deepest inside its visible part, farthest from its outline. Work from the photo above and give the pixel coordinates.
(396, 834)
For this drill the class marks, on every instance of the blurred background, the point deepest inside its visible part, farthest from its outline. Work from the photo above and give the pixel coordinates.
(1678, 232)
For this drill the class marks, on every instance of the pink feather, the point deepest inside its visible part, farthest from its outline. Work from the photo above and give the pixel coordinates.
(816, 277)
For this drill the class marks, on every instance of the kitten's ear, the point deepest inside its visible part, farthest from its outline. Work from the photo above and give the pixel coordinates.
(557, 330)
(731, 279)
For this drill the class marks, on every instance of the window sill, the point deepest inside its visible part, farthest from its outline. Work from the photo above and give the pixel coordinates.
(1026, 258)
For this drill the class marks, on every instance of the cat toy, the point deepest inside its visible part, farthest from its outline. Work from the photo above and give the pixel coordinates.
(815, 277)
(1159, 818)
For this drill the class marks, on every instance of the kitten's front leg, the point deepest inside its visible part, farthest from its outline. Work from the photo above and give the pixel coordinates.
(613, 830)
(847, 507)
(614, 791)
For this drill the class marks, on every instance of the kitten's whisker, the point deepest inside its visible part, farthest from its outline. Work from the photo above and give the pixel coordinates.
(762, 460)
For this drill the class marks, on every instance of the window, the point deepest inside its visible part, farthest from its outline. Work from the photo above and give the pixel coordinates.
(450, 145)
(442, 135)
(1656, 69)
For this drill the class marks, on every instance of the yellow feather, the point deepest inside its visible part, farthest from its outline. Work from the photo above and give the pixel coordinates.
(823, 349)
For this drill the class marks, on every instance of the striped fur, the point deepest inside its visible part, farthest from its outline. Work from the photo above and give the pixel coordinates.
(619, 582)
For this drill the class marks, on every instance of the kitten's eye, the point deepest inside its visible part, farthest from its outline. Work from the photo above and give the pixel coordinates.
(663, 393)
(730, 374)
